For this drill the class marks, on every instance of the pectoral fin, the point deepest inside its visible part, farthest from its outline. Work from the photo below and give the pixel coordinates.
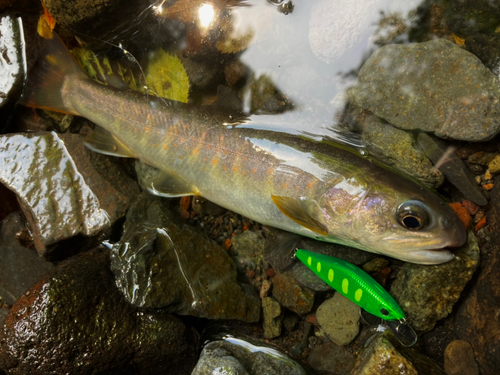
(104, 142)
(169, 185)
(293, 209)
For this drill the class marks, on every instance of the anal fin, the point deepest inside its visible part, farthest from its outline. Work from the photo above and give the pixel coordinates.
(104, 142)
(168, 185)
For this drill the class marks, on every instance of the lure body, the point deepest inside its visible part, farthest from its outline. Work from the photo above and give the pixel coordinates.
(353, 283)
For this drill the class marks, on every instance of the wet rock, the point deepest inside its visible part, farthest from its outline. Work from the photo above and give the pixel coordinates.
(265, 288)
(3, 313)
(487, 48)
(290, 321)
(97, 17)
(21, 266)
(452, 167)
(336, 26)
(471, 207)
(434, 87)
(459, 359)
(468, 17)
(384, 355)
(265, 98)
(248, 250)
(481, 157)
(394, 147)
(494, 165)
(339, 318)
(75, 321)
(11, 64)
(291, 295)
(331, 358)
(476, 320)
(234, 356)
(161, 263)
(427, 293)
(273, 317)
(64, 189)
(375, 265)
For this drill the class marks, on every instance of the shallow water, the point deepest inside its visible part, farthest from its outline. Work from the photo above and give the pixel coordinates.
(309, 56)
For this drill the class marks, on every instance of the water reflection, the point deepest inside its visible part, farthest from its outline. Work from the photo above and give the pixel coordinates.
(307, 59)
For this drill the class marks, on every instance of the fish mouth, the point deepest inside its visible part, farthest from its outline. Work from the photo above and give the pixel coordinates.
(430, 252)
(430, 256)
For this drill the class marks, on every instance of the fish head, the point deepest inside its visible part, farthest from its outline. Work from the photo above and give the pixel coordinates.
(398, 218)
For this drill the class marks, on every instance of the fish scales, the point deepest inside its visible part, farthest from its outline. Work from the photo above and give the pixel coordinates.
(226, 162)
(314, 188)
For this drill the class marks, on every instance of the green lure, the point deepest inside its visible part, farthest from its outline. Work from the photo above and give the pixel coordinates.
(356, 285)
(353, 283)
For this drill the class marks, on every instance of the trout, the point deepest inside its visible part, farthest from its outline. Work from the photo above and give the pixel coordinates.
(315, 188)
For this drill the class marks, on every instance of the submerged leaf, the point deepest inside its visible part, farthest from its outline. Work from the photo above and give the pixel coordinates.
(166, 77)
(102, 70)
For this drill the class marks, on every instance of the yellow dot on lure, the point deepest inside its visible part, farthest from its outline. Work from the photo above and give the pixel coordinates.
(318, 266)
(345, 286)
(358, 294)
(309, 261)
(330, 275)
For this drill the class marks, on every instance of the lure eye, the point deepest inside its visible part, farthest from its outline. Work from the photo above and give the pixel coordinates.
(412, 215)
(384, 312)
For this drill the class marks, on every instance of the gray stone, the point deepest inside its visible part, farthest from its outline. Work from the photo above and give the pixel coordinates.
(427, 293)
(234, 356)
(384, 355)
(161, 263)
(248, 250)
(21, 266)
(60, 187)
(75, 321)
(459, 359)
(434, 86)
(395, 147)
(339, 318)
(273, 317)
(455, 170)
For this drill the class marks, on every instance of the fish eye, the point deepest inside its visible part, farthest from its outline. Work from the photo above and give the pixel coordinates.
(412, 215)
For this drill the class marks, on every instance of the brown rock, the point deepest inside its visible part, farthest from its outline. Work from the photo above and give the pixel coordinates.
(470, 206)
(331, 358)
(75, 321)
(291, 295)
(477, 318)
(459, 359)
(462, 213)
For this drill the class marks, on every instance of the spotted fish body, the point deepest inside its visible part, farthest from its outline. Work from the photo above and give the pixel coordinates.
(313, 188)
(353, 283)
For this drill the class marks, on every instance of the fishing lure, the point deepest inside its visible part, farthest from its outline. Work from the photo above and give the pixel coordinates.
(356, 285)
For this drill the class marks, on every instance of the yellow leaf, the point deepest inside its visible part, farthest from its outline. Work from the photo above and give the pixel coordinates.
(166, 77)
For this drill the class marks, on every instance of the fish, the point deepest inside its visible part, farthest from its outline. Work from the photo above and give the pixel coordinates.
(312, 187)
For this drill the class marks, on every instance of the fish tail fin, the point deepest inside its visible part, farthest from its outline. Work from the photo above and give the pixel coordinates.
(45, 84)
